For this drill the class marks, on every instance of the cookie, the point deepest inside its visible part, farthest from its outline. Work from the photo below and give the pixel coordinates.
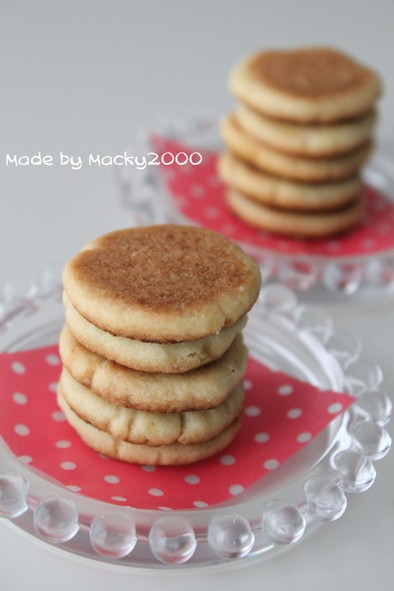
(293, 223)
(202, 388)
(164, 283)
(312, 140)
(151, 356)
(278, 192)
(298, 168)
(135, 453)
(313, 84)
(150, 428)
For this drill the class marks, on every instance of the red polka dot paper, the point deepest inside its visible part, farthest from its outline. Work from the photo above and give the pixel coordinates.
(281, 416)
(199, 196)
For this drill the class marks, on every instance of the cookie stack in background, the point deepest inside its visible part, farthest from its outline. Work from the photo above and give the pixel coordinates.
(152, 349)
(298, 140)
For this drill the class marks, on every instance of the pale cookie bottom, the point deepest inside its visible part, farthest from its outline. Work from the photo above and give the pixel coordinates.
(202, 388)
(151, 357)
(134, 453)
(307, 140)
(303, 225)
(280, 192)
(289, 166)
(150, 428)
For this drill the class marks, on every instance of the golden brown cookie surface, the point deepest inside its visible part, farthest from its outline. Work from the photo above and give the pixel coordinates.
(314, 141)
(150, 428)
(293, 223)
(162, 283)
(306, 84)
(279, 192)
(202, 388)
(150, 356)
(135, 453)
(298, 168)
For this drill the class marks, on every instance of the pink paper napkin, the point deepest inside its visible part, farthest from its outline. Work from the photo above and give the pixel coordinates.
(198, 194)
(282, 414)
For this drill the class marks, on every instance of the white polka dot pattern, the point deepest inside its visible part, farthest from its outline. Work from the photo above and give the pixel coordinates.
(38, 434)
(200, 504)
(252, 411)
(261, 437)
(111, 479)
(52, 359)
(155, 492)
(304, 437)
(22, 430)
(63, 444)
(192, 479)
(335, 408)
(68, 466)
(285, 390)
(18, 367)
(236, 489)
(294, 413)
(227, 460)
(19, 398)
(201, 187)
(271, 464)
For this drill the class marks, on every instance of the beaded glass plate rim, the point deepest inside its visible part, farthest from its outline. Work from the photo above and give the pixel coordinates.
(145, 195)
(215, 535)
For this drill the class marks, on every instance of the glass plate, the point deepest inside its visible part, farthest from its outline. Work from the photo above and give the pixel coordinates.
(318, 277)
(279, 510)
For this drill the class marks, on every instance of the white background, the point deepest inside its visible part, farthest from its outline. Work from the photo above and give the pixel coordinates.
(86, 77)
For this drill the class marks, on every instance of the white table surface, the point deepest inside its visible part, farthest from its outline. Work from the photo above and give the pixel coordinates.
(85, 77)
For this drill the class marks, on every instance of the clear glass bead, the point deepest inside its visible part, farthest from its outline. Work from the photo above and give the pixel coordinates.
(380, 272)
(283, 522)
(314, 320)
(20, 290)
(277, 298)
(363, 375)
(230, 536)
(372, 438)
(13, 495)
(377, 406)
(345, 347)
(298, 275)
(113, 535)
(357, 472)
(50, 282)
(342, 278)
(326, 499)
(266, 266)
(172, 540)
(56, 520)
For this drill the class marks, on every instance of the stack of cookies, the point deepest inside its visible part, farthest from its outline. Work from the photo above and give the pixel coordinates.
(298, 139)
(152, 350)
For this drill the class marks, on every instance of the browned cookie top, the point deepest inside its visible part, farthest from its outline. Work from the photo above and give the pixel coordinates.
(309, 84)
(312, 72)
(162, 283)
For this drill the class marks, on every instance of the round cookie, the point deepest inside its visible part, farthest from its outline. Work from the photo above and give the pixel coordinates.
(203, 388)
(313, 84)
(292, 223)
(278, 192)
(135, 453)
(150, 428)
(307, 140)
(299, 168)
(151, 357)
(164, 283)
